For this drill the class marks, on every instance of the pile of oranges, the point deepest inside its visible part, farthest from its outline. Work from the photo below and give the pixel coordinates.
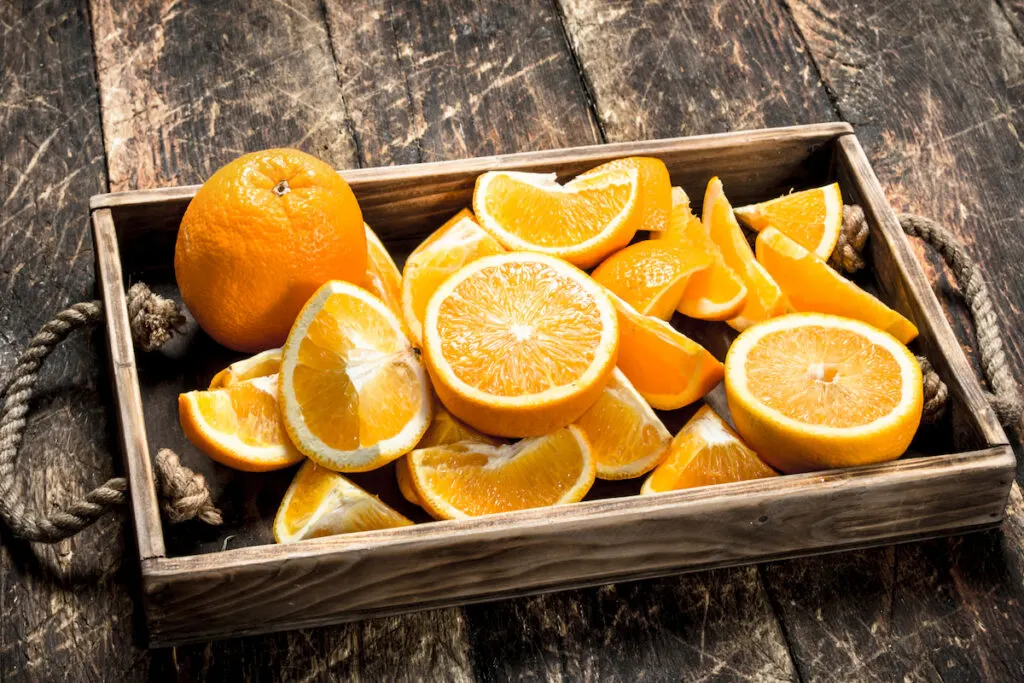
(496, 373)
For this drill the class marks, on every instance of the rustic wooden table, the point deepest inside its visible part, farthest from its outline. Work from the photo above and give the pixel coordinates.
(104, 95)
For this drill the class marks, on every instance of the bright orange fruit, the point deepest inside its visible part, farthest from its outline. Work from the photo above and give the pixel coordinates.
(812, 218)
(655, 188)
(383, 278)
(261, 365)
(652, 275)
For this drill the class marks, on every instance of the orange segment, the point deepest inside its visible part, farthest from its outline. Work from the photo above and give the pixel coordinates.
(626, 437)
(519, 344)
(383, 278)
(706, 452)
(716, 293)
(812, 286)
(764, 297)
(239, 425)
(652, 275)
(321, 502)
(655, 188)
(669, 369)
(260, 365)
(468, 479)
(810, 391)
(459, 241)
(812, 218)
(354, 394)
(581, 222)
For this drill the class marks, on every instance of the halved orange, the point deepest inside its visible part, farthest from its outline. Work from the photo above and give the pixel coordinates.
(764, 297)
(716, 293)
(705, 452)
(582, 221)
(459, 241)
(655, 188)
(239, 425)
(468, 479)
(519, 344)
(810, 391)
(382, 275)
(261, 365)
(321, 502)
(812, 218)
(812, 286)
(353, 392)
(669, 369)
(652, 275)
(626, 437)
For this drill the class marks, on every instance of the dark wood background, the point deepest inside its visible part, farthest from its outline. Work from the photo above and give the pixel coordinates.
(101, 95)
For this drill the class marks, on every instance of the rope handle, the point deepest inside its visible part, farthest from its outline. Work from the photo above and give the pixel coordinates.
(184, 494)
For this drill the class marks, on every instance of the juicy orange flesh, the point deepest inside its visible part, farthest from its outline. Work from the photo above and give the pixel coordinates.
(801, 216)
(355, 510)
(382, 276)
(247, 410)
(554, 218)
(618, 431)
(364, 514)
(445, 429)
(655, 188)
(643, 272)
(351, 366)
(478, 479)
(518, 328)
(704, 453)
(311, 484)
(824, 376)
(261, 365)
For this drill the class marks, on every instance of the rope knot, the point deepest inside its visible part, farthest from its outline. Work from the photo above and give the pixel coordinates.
(935, 393)
(184, 494)
(853, 237)
(153, 319)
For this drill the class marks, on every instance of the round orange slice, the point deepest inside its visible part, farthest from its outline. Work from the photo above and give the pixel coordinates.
(469, 479)
(383, 278)
(582, 221)
(262, 364)
(655, 188)
(812, 218)
(239, 425)
(652, 275)
(705, 452)
(321, 502)
(625, 436)
(519, 344)
(810, 391)
(459, 241)
(353, 392)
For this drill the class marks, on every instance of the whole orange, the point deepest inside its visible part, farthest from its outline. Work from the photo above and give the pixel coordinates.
(260, 236)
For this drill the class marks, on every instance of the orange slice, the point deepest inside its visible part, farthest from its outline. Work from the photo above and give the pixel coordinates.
(705, 452)
(239, 425)
(812, 286)
(260, 365)
(443, 430)
(468, 479)
(519, 344)
(812, 218)
(716, 293)
(353, 392)
(383, 278)
(655, 188)
(669, 369)
(459, 241)
(321, 502)
(810, 391)
(652, 275)
(626, 437)
(764, 297)
(582, 221)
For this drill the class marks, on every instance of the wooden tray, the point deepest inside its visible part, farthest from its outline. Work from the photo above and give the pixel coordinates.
(200, 583)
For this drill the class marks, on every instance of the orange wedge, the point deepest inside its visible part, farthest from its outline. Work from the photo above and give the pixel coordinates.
(812, 218)
(705, 452)
(810, 391)
(716, 293)
(321, 502)
(626, 437)
(260, 365)
(459, 241)
(652, 275)
(383, 278)
(468, 479)
(353, 392)
(669, 369)
(519, 344)
(655, 188)
(812, 286)
(764, 297)
(239, 425)
(443, 430)
(582, 221)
